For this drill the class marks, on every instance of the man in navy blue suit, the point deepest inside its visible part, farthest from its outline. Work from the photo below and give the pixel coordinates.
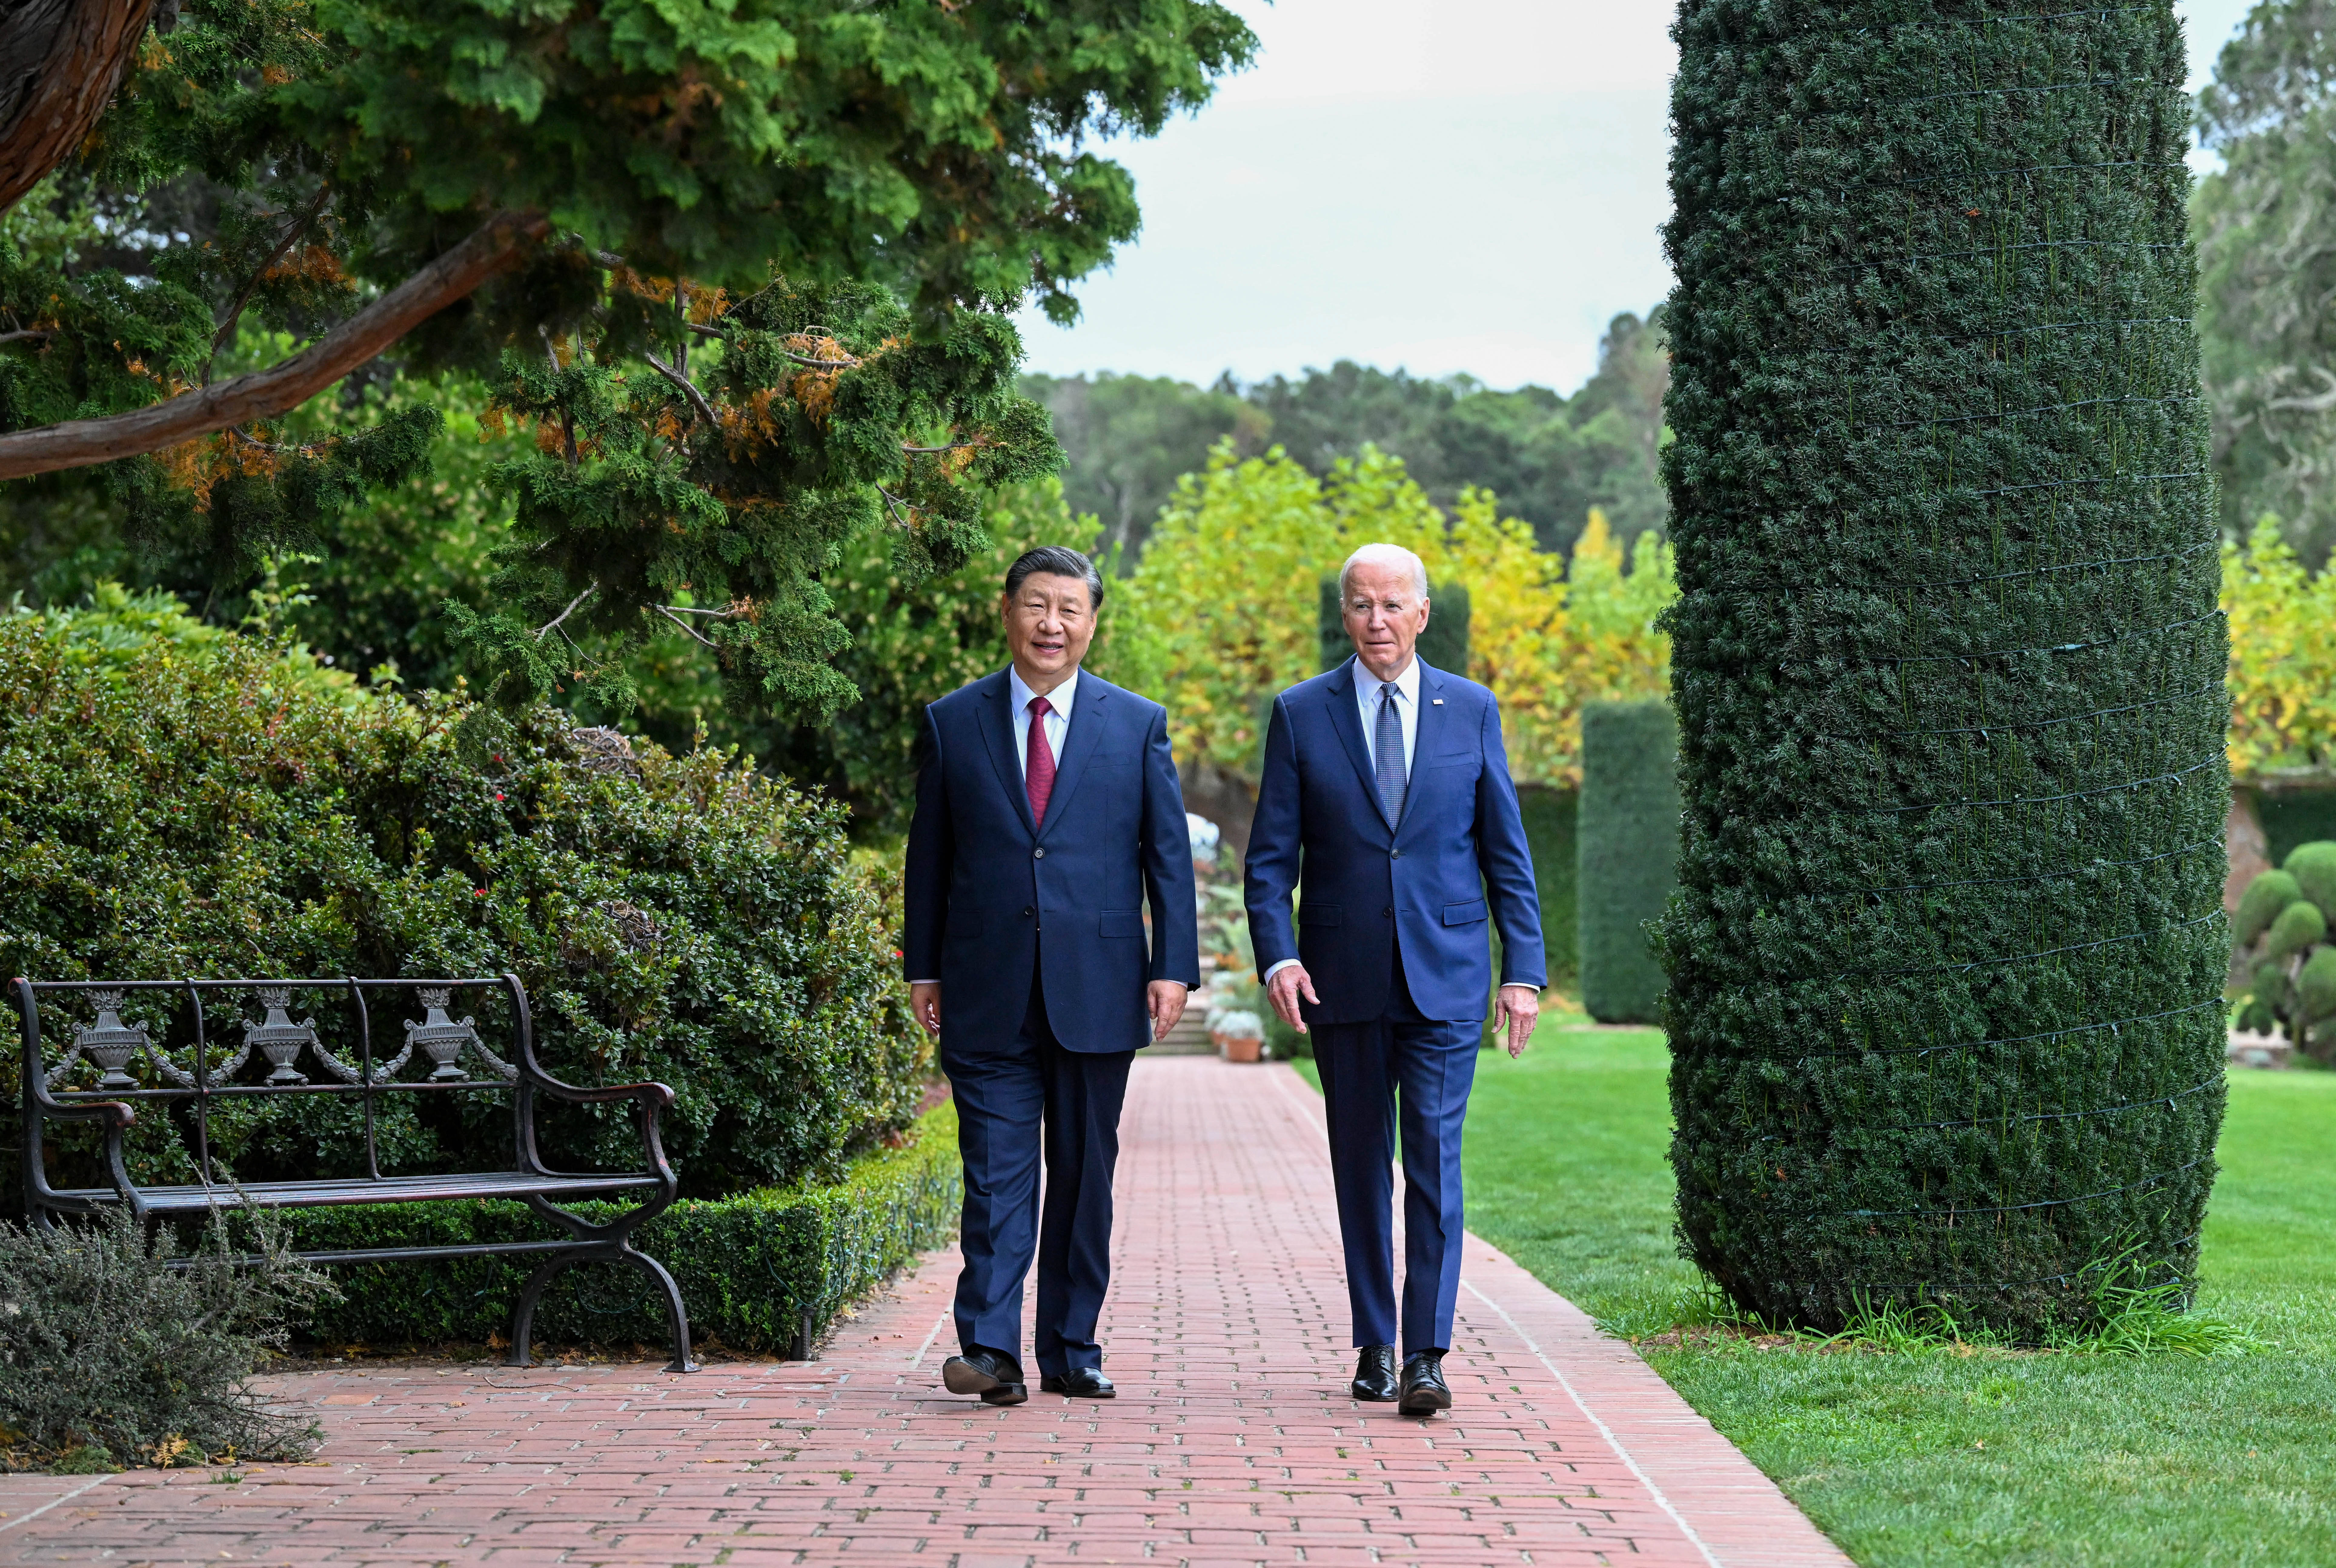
(1048, 814)
(1385, 803)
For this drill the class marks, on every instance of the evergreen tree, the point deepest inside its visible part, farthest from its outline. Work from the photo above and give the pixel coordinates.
(1946, 966)
(744, 272)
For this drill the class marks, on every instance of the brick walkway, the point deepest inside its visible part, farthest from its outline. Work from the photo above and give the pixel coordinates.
(1232, 1440)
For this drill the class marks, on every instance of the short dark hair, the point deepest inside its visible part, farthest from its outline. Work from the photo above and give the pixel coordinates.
(1056, 561)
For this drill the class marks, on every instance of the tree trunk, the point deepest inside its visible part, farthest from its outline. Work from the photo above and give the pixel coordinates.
(60, 63)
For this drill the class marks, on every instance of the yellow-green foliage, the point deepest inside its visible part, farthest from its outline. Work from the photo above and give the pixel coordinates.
(2283, 675)
(1221, 613)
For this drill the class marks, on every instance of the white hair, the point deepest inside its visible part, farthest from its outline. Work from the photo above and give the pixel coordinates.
(1382, 555)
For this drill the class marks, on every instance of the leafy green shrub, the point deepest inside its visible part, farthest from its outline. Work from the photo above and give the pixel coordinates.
(2281, 933)
(1945, 1003)
(176, 801)
(749, 1267)
(111, 1358)
(1628, 831)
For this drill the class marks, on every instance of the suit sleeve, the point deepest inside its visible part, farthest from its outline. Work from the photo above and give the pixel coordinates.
(1168, 864)
(1271, 869)
(1507, 860)
(925, 875)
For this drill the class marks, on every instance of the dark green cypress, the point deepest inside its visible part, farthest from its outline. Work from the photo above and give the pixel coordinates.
(1945, 972)
(1627, 835)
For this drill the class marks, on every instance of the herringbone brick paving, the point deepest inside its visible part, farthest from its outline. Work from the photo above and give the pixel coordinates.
(1232, 1440)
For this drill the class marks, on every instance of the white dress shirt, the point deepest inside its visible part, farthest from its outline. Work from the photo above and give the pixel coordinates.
(1368, 699)
(1059, 722)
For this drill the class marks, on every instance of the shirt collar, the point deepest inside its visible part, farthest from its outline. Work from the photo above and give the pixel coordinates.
(1406, 683)
(1060, 698)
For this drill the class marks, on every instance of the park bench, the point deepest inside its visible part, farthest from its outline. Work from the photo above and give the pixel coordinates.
(189, 1067)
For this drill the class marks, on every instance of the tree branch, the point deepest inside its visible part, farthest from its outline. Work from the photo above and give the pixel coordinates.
(697, 398)
(564, 614)
(683, 623)
(495, 248)
(60, 63)
(292, 233)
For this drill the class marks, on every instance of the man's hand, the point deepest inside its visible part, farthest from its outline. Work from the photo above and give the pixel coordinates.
(925, 1006)
(1166, 1000)
(1284, 990)
(1519, 1010)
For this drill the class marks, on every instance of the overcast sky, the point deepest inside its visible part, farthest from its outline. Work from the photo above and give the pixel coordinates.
(1440, 185)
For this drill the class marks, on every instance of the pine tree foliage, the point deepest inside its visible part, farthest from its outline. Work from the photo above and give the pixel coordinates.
(746, 269)
(1945, 969)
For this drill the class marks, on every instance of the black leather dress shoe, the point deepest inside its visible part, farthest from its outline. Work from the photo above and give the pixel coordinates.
(1080, 1383)
(1375, 1374)
(1424, 1389)
(992, 1374)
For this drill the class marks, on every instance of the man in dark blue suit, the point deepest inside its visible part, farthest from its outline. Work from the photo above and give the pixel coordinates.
(1047, 813)
(1385, 803)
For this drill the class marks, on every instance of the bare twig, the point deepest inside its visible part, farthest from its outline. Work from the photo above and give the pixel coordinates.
(711, 614)
(952, 446)
(697, 398)
(493, 248)
(564, 614)
(21, 336)
(683, 623)
(292, 233)
(894, 504)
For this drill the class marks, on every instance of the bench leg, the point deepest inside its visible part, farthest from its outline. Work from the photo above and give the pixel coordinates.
(676, 1315)
(523, 1315)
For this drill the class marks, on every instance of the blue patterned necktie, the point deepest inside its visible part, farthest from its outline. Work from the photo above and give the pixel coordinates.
(1389, 749)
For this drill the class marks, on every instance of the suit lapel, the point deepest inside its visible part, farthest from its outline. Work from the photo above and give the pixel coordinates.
(1429, 736)
(1087, 719)
(1348, 721)
(997, 736)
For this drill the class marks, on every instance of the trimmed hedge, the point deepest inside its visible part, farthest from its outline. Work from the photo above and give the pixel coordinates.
(1552, 817)
(749, 1267)
(1628, 833)
(1443, 645)
(175, 800)
(1945, 978)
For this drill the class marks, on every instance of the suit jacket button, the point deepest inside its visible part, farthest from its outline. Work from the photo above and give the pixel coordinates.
(1039, 855)
(1388, 913)
(1394, 854)
(1026, 914)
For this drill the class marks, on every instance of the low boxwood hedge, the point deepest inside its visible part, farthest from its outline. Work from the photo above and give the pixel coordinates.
(749, 1267)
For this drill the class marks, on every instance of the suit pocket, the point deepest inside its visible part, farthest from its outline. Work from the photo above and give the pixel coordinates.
(1466, 914)
(1452, 759)
(1123, 922)
(1315, 913)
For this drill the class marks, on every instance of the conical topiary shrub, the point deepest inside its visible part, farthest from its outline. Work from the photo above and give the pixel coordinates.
(1945, 973)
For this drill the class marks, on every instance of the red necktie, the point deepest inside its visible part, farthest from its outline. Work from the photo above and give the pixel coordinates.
(1038, 771)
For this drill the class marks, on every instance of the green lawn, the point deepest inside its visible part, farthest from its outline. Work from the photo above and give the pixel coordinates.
(1943, 1459)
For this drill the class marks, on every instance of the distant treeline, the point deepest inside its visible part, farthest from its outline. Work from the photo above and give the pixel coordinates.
(1548, 457)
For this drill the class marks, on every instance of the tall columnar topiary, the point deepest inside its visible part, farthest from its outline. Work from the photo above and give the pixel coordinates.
(1629, 836)
(1945, 978)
